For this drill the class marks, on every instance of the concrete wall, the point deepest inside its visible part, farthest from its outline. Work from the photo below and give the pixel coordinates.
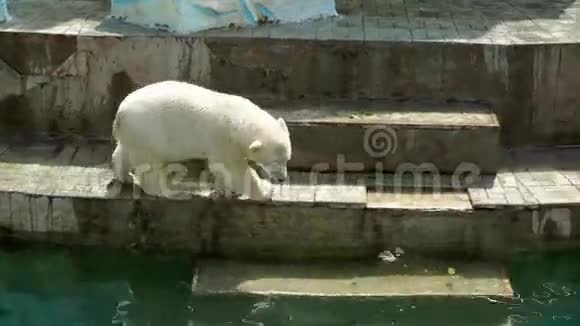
(246, 230)
(64, 84)
(184, 16)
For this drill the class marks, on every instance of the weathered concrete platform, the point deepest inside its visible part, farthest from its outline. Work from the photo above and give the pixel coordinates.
(403, 278)
(66, 67)
(60, 193)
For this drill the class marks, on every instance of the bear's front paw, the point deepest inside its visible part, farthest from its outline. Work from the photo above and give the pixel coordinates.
(220, 194)
(263, 193)
(215, 195)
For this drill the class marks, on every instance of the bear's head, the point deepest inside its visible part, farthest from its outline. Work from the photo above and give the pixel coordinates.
(272, 150)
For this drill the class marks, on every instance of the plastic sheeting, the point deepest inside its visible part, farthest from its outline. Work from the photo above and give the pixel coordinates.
(196, 15)
(3, 11)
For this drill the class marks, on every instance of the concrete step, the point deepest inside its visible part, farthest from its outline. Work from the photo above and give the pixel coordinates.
(356, 136)
(404, 277)
(61, 193)
(362, 136)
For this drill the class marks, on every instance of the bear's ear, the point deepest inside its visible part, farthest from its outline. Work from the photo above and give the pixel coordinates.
(283, 124)
(255, 146)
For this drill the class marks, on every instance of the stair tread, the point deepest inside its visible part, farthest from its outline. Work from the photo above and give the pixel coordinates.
(384, 112)
(404, 277)
(67, 170)
(530, 178)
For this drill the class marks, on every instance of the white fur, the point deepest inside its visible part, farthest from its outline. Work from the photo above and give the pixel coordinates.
(174, 121)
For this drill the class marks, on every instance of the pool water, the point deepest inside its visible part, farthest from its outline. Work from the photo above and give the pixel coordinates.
(51, 286)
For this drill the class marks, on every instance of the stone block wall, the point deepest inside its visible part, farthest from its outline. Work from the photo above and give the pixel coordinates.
(64, 84)
(254, 231)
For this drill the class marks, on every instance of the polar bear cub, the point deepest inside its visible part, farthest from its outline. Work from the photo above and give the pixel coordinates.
(174, 121)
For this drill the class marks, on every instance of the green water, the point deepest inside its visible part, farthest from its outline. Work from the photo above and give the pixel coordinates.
(56, 286)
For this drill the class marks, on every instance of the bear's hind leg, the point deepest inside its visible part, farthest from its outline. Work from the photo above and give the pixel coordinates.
(121, 165)
(152, 179)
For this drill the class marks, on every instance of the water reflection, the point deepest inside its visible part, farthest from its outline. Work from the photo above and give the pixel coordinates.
(57, 286)
(349, 312)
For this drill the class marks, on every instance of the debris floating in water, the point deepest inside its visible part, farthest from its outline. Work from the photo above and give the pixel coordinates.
(387, 256)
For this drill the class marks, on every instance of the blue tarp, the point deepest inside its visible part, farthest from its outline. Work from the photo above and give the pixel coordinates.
(3, 11)
(197, 15)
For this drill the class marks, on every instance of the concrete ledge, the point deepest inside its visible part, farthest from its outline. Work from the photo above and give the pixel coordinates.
(406, 277)
(494, 22)
(60, 193)
(533, 178)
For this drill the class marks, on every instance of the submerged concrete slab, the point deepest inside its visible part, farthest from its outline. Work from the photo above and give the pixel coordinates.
(420, 200)
(404, 277)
